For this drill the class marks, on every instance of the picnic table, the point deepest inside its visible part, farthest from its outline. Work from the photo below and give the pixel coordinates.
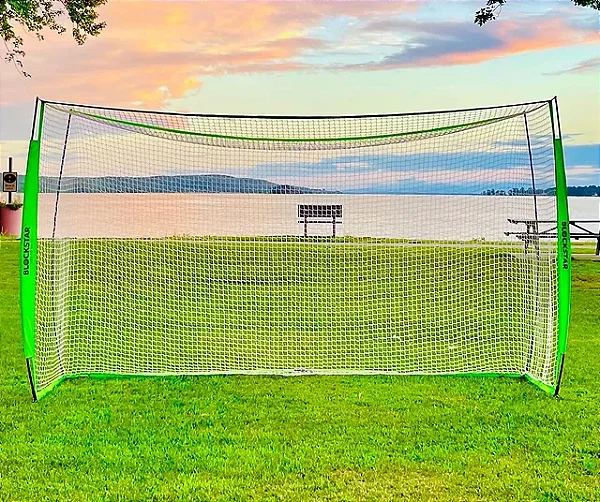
(580, 229)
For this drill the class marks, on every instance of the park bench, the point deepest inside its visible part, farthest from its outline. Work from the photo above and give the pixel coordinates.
(533, 234)
(320, 213)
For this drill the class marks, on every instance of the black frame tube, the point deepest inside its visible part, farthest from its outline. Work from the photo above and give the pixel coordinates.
(536, 237)
(35, 112)
(299, 117)
(31, 383)
(60, 174)
(60, 177)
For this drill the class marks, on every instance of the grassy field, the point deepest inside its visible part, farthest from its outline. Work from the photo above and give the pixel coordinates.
(319, 438)
(209, 306)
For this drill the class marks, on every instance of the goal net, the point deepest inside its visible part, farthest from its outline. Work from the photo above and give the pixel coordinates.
(178, 244)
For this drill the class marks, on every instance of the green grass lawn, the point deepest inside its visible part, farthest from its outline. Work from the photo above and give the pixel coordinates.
(584, 247)
(330, 438)
(173, 306)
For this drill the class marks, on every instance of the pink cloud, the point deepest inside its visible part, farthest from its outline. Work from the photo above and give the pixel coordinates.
(546, 34)
(449, 43)
(152, 52)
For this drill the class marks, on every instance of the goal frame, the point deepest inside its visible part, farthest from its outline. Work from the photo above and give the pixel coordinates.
(29, 236)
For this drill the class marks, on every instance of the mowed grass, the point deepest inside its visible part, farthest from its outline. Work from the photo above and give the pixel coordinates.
(330, 438)
(197, 306)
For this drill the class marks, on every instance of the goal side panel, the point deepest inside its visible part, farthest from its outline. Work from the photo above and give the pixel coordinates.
(29, 246)
(563, 246)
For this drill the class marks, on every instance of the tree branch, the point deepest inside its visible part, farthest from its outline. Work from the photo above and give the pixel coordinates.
(492, 9)
(37, 15)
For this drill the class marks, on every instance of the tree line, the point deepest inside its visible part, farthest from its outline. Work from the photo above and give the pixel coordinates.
(573, 191)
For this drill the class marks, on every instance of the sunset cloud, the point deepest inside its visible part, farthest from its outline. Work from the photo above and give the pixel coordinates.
(587, 66)
(460, 42)
(152, 53)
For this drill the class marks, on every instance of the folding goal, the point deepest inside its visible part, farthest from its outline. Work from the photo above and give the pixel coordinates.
(162, 243)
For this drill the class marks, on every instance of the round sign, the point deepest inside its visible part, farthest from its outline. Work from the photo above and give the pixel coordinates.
(10, 178)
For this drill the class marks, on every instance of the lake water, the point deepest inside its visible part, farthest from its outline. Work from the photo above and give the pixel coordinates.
(457, 217)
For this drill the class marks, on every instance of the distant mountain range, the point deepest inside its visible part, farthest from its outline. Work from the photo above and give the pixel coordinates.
(195, 183)
(219, 183)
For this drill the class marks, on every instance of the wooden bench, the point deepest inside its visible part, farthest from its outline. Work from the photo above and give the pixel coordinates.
(319, 213)
(532, 234)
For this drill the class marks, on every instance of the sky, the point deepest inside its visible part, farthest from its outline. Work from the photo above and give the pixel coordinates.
(313, 58)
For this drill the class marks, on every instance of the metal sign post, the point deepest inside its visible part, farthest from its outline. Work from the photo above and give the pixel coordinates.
(9, 181)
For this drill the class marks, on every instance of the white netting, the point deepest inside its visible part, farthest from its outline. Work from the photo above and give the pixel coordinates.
(181, 244)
